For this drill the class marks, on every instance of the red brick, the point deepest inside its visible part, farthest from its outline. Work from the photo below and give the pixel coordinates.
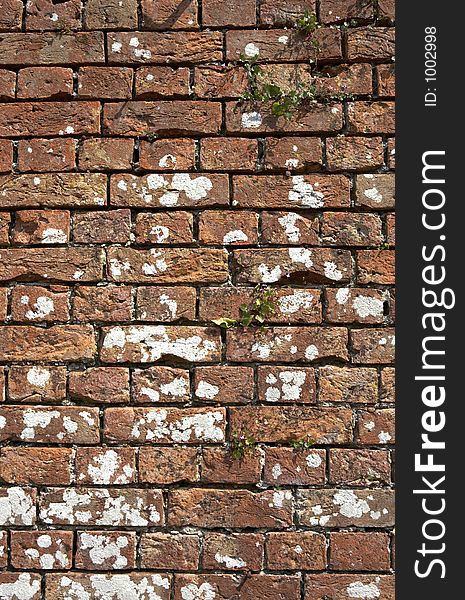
(219, 466)
(290, 228)
(376, 427)
(359, 467)
(376, 266)
(46, 155)
(344, 384)
(165, 48)
(335, 11)
(228, 228)
(100, 154)
(106, 83)
(165, 425)
(49, 118)
(292, 423)
(19, 505)
(2, 384)
(166, 304)
(109, 303)
(105, 466)
(210, 508)
(359, 551)
(386, 80)
(37, 384)
(387, 390)
(169, 14)
(386, 9)
(51, 48)
(164, 228)
(160, 384)
(376, 191)
(355, 305)
(296, 550)
(345, 80)
(354, 153)
(229, 154)
(37, 304)
(234, 552)
(370, 43)
(100, 385)
(220, 81)
(11, 15)
(6, 156)
(97, 550)
(110, 14)
(373, 345)
(5, 220)
(172, 551)
(329, 586)
(42, 549)
(224, 385)
(44, 424)
(36, 466)
(41, 227)
(58, 586)
(162, 82)
(391, 229)
(289, 466)
(46, 14)
(351, 229)
(293, 153)
(284, 12)
(367, 117)
(268, 587)
(65, 343)
(391, 153)
(216, 13)
(286, 385)
(167, 155)
(163, 466)
(45, 82)
(113, 226)
(7, 84)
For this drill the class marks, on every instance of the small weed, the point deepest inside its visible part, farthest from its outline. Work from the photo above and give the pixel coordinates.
(241, 445)
(151, 136)
(384, 246)
(302, 444)
(341, 96)
(261, 308)
(307, 23)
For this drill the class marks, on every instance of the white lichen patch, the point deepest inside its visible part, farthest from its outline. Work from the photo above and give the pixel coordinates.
(367, 306)
(204, 591)
(251, 50)
(276, 471)
(206, 390)
(288, 223)
(38, 376)
(52, 235)
(283, 39)
(313, 460)
(114, 587)
(116, 47)
(117, 267)
(279, 498)
(104, 548)
(251, 120)
(342, 295)
(331, 271)
(194, 188)
(107, 468)
(171, 304)
(363, 591)
(202, 426)
(42, 307)
(384, 437)
(24, 588)
(301, 256)
(350, 505)
(178, 388)
(311, 352)
(168, 161)
(47, 558)
(291, 387)
(373, 194)
(304, 193)
(234, 236)
(298, 300)
(230, 562)
(34, 419)
(160, 232)
(269, 275)
(16, 507)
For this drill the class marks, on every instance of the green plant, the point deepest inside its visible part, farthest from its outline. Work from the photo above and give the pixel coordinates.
(307, 23)
(261, 308)
(302, 444)
(241, 445)
(384, 246)
(151, 136)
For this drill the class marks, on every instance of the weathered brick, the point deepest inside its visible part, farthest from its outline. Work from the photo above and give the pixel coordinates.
(216, 13)
(210, 508)
(160, 384)
(104, 506)
(46, 424)
(359, 467)
(164, 466)
(110, 14)
(354, 153)
(46, 155)
(57, 343)
(28, 582)
(106, 83)
(37, 384)
(292, 265)
(286, 384)
(165, 48)
(36, 466)
(172, 551)
(386, 80)
(220, 81)
(387, 389)
(234, 552)
(165, 304)
(289, 466)
(45, 82)
(228, 228)
(229, 154)
(344, 384)
(268, 587)
(359, 551)
(296, 550)
(6, 156)
(391, 153)
(334, 11)
(113, 226)
(51, 48)
(7, 84)
(162, 82)
(224, 385)
(169, 191)
(41, 227)
(109, 303)
(376, 426)
(219, 466)
(370, 43)
(376, 266)
(304, 191)
(5, 220)
(283, 45)
(281, 424)
(100, 384)
(355, 305)
(386, 9)
(105, 466)
(290, 229)
(376, 191)
(19, 507)
(293, 154)
(334, 80)
(346, 508)
(284, 12)
(351, 229)
(62, 264)
(164, 228)
(42, 549)
(167, 155)
(329, 586)
(391, 229)
(100, 154)
(97, 550)
(37, 304)
(46, 14)
(165, 425)
(59, 586)
(170, 265)
(373, 345)
(169, 14)
(2, 384)
(11, 15)
(371, 117)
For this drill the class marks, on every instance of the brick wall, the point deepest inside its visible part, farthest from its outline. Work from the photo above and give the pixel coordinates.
(147, 452)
